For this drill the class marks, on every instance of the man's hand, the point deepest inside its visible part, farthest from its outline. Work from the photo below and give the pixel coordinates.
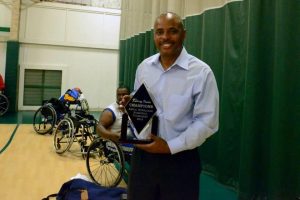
(125, 99)
(158, 145)
(113, 137)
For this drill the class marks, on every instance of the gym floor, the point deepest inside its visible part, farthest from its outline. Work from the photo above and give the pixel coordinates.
(30, 168)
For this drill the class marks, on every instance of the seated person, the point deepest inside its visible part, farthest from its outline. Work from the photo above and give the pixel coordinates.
(71, 95)
(110, 121)
(109, 126)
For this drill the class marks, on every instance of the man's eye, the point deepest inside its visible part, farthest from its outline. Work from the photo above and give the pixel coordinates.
(158, 32)
(173, 31)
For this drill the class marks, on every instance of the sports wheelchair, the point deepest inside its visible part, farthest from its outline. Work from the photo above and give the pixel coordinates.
(107, 161)
(54, 110)
(78, 128)
(4, 103)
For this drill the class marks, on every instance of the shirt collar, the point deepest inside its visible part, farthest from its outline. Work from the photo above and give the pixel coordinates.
(181, 61)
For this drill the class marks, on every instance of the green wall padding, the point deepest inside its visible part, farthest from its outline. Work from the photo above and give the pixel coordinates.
(11, 74)
(4, 29)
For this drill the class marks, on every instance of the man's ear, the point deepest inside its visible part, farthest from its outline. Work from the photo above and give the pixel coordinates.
(184, 33)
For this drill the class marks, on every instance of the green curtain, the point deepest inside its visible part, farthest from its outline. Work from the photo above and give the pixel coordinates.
(132, 52)
(253, 48)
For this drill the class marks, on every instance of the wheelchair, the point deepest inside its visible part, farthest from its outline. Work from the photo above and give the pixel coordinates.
(107, 161)
(53, 111)
(4, 103)
(79, 128)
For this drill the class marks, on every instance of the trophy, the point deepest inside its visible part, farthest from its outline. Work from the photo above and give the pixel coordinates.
(139, 119)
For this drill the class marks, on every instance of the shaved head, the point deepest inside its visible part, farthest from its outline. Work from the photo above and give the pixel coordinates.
(169, 35)
(169, 16)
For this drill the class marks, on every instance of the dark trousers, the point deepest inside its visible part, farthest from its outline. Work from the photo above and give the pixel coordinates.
(164, 177)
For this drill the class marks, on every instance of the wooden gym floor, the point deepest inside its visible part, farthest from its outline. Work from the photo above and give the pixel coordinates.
(30, 169)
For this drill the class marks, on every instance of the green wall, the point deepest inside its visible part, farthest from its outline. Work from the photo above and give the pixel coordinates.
(12, 74)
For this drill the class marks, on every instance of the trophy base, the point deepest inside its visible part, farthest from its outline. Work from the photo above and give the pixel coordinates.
(130, 139)
(136, 141)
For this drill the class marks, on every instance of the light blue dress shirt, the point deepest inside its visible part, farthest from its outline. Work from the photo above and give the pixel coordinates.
(186, 97)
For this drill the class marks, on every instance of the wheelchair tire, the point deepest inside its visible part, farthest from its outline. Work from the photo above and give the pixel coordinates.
(44, 119)
(105, 162)
(64, 136)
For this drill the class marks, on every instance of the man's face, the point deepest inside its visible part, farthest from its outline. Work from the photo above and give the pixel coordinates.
(120, 93)
(168, 36)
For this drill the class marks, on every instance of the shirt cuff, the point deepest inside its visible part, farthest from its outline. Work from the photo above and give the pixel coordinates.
(176, 145)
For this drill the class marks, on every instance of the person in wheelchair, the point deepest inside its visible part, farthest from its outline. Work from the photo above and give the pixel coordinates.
(109, 126)
(62, 104)
(72, 95)
(110, 120)
(54, 110)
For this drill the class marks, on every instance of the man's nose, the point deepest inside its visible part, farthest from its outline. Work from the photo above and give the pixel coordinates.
(165, 35)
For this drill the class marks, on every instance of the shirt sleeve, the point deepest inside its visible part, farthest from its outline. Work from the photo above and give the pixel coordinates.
(137, 81)
(205, 121)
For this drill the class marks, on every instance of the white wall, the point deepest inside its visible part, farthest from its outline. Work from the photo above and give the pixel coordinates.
(5, 20)
(93, 70)
(5, 13)
(2, 58)
(81, 41)
(70, 25)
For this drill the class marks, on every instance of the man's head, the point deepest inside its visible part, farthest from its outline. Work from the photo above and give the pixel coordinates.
(169, 34)
(121, 91)
(78, 90)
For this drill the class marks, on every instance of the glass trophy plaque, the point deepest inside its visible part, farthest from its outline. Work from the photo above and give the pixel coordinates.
(139, 120)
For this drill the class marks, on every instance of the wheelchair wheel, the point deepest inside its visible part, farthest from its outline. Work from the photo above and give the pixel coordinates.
(44, 119)
(3, 104)
(64, 135)
(105, 162)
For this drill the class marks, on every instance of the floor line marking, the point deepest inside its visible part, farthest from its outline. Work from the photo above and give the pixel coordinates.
(9, 140)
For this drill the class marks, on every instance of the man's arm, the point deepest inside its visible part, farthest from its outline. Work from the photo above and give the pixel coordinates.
(205, 118)
(105, 121)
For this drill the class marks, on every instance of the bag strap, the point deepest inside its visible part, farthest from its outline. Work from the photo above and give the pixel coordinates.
(51, 195)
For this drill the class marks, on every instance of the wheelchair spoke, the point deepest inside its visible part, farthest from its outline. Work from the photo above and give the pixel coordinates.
(105, 162)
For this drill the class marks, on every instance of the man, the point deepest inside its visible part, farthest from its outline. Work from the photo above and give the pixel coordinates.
(187, 100)
(109, 125)
(72, 95)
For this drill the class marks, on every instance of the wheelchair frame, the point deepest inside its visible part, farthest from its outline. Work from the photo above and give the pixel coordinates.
(53, 111)
(80, 129)
(4, 103)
